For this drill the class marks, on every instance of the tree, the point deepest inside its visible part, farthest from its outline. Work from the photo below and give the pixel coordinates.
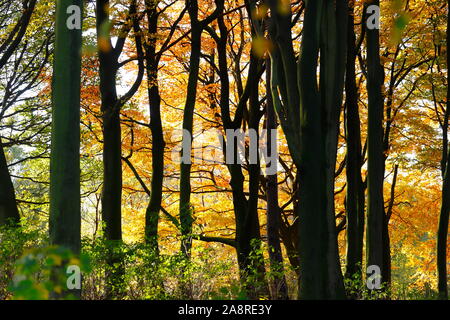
(375, 197)
(111, 105)
(309, 117)
(65, 209)
(279, 285)
(442, 233)
(355, 199)
(152, 62)
(9, 212)
(152, 39)
(247, 115)
(185, 208)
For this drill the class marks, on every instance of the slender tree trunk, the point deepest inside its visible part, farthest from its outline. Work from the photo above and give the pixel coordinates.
(354, 198)
(279, 285)
(375, 209)
(250, 259)
(252, 226)
(185, 208)
(442, 236)
(65, 210)
(152, 213)
(386, 237)
(248, 237)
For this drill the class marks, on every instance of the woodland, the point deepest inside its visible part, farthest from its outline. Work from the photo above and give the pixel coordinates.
(224, 149)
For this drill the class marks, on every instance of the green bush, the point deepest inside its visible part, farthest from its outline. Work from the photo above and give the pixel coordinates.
(148, 275)
(41, 273)
(13, 243)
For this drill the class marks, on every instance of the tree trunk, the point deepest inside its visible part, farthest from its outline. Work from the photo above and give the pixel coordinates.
(252, 226)
(9, 213)
(250, 259)
(185, 208)
(152, 213)
(354, 198)
(311, 128)
(333, 55)
(248, 238)
(65, 219)
(279, 285)
(442, 235)
(313, 235)
(375, 236)
(65, 209)
(112, 144)
(386, 237)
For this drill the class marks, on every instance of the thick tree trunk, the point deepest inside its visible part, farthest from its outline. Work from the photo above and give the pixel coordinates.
(314, 237)
(65, 218)
(333, 57)
(9, 213)
(112, 181)
(312, 147)
(375, 236)
(65, 210)
(112, 145)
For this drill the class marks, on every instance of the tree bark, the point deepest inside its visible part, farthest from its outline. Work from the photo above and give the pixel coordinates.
(185, 208)
(9, 213)
(65, 216)
(354, 198)
(250, 258)
(310, 129)
(442, 233)
(158, 144)
(442, 237)
(333, 53)
(65, 207)
(112, 145)
(111, 105)
(279, 285)
(375, 236)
